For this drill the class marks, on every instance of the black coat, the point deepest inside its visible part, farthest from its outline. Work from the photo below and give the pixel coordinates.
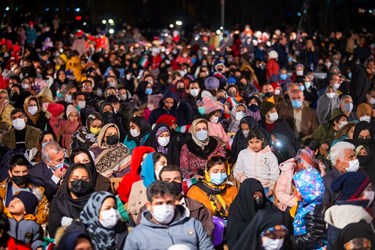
(41, 175)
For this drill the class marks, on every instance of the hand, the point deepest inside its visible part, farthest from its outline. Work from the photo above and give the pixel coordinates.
(198, 177)
(270, 193)
(60, 172)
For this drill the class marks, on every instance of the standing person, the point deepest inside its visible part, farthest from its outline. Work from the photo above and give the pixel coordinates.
(326, 104)
(165, 224)
(69, 127)
(101, 221)
(257, 161)
(272, 67)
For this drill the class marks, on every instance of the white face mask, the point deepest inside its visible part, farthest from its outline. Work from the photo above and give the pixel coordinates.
(163, 213)
(135, 132)
(365, 118)
(82, 104)
(19, 124)
(272, 244)
(68, 98)
(299, 72)
(194, 92)
(157, 171)
(239, 115)
(342, 124)
(336, 85)
(202, 135)
(123, 97)
(353, 166)
(109, 218)
(273, 116)
(214, 119)
(372, 101)
(32, 110)
(331, 95)
(368, 195)
(163, 141)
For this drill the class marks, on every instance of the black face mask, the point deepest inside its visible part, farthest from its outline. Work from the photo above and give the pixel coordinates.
(108, 115)
(180, 90)
(268, 94)
(87, 95)
(361, 141)
(363, 160)
(222, 100)
(254, 107)
(20, 180)
(80, 187)
(112, 139)
(175, 187)
(242, 86)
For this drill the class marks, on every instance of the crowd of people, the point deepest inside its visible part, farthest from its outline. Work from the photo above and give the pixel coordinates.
(222, 140)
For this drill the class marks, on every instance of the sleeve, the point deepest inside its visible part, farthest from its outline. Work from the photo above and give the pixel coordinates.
(184, 162)
(274, 170)
(132, 203)
(281, 191)
(37, 237)
(238, 171)
(131, 242)
(204, 242)
(205, 218)
(54, 219)
(42, 211)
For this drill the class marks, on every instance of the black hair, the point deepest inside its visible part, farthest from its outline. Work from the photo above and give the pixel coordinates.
(156, 156)
(76, 94)
(4, 225)
(18, 160)
(216, 160)
(46, 132)
(16, 110)
(78, 151)
(170, 168)
(256, 133)
(159, 189)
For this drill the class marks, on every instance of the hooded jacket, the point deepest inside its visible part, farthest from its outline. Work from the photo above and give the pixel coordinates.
(182, 230)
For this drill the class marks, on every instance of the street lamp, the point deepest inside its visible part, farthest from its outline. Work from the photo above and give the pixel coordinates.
(178, 23)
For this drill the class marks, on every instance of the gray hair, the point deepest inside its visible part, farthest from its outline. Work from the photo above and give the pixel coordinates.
(344, 97)
(50, 147)
(338, 150)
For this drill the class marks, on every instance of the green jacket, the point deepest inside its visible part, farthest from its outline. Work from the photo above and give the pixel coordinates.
(31, 137)
(324, 133)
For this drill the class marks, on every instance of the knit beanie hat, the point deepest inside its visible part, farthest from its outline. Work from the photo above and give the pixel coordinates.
(55, 109)
(70, 109)
(210, 105)
(265, 107)
(363, 108)
(29, 200)
(211, 83)
(167, 119)
(350, 185)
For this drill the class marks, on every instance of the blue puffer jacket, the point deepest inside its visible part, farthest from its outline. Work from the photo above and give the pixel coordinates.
(182, 230)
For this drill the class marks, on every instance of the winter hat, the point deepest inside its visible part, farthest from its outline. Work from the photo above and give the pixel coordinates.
(350, 185)
(70, 109)
(275, 85)
(363, 108)
(161, 130)
(55, 109)
(256, 98)
(265, 107)
(167, 119)
(231, 80)
(273, 55)
(210, 105)
(29, 200)
(211, 83)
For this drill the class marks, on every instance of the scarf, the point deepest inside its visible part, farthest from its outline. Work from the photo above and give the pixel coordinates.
(33, 118)
(193, 128)
(148, 170)
(102, 238)
(326, 106)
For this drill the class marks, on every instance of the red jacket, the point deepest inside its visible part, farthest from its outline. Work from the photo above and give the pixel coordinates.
(272, 68)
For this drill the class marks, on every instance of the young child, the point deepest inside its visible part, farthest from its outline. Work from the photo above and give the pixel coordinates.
(23, 227)
(69, 127)
(257, 161)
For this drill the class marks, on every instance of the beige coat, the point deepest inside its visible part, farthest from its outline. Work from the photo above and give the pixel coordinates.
(137, 199)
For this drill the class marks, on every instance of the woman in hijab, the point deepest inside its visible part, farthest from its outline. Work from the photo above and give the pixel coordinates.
(160, 140)
(77, 187)
(326, 104)
(100, 220)
(86, 136)
(213, 191)
(237, 114)
(253, 105)
(109, 116)
(112, 158)
(138, 134)
(143, 90)
(83, 156)
(35, 115)
(74, 240)
(35, 154)
(60, 82)
(138, 155)
(198, 148)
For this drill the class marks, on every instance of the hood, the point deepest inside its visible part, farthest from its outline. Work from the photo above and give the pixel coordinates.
(288, 165)
(137, 157)
(341, 215)
(310, 185)
(234, 110)
(169, 94)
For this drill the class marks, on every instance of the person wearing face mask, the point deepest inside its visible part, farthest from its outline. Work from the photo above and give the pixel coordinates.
(253, 107)
(260, 224)
(354, 209)
(346, 105)
(152, 164)
(55, 114)
(66, 206)
(198, 148)
(112, 158)
(194, 94)
(213, 191)
(268, 92)
(21, 136)
(138, 134)
(36, 117)
(237, 114)
(109, 115)
(343, 160)
(326, 104)
(165, 224)
(364, 113)
(100, 220)
(87, 135)
(19, 180)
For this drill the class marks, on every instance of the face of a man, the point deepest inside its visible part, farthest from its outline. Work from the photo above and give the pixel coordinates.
(169, 176)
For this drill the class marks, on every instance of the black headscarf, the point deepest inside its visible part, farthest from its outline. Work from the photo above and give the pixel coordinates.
(359, 84)
(243, 209)
(143, 124)
(359, 127)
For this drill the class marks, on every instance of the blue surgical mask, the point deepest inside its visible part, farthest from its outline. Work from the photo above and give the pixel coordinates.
(308, 85)
(283, 77)
(350, 75)
(148, 91)
(202, 135)
(201, 110)
(296, 104)
(302, 88)
(348, 107)
(218, 178)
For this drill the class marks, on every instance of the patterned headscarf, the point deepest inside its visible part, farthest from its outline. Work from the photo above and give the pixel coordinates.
(309, 184)
(102, 238)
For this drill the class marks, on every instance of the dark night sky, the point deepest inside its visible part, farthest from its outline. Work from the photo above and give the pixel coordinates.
(322, 14)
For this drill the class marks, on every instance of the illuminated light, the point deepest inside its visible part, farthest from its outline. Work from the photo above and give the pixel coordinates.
(104, 21)
(46, 9)
(299, 14)
(78, 18)
(110, 21)
(171, 26)
(7, 8)
(221, 27)
(77, 9)
(218, 32)
(84, 23)
(178, 23)
(111, 31)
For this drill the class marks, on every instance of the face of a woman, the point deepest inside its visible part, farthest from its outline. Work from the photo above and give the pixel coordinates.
(107, 108)
(164, 134)
(108, 204)
(82, 158)
(47, 138)
(201, 126)
(96, 124)
(134, 126)
(110, 131)
(78, 174)
(162, 162)
(217, 168)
